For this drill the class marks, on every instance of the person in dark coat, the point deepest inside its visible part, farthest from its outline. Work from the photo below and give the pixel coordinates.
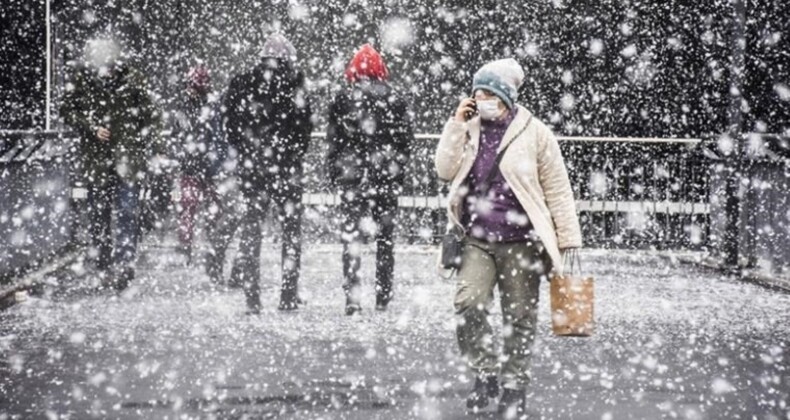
(107, 102)
(368, 140)
(200, 150)
(269, 121)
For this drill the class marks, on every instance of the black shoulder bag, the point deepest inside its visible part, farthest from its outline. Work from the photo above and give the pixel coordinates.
(453, 240)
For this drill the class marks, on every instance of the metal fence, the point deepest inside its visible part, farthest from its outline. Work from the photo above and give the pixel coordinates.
(631, 193)
(761, 229)
(640, 194)
(36, 210)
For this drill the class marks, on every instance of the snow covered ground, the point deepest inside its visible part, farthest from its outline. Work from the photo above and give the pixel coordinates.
(672, 341)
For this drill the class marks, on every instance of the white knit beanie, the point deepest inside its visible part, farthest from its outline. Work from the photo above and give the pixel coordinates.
(278, 46)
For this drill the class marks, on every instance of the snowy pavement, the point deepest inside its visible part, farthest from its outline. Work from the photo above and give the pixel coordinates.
(672, 341)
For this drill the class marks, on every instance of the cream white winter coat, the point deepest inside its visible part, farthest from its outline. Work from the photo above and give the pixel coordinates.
(533, 168)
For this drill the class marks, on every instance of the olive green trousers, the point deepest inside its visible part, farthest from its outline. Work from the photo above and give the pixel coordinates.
(517, 269)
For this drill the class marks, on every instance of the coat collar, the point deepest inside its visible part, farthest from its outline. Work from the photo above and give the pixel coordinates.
(519, 122)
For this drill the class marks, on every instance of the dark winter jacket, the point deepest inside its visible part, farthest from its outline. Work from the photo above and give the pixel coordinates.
(368, 136)
(199, 147)
(268, 121)
(122, 104)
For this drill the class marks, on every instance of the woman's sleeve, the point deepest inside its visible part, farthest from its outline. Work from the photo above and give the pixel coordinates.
(450, 151)
(557, 190)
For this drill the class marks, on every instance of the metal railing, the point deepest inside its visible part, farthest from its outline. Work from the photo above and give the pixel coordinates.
(631, 193)
(751, 229)
(624, 191)
(36, 210)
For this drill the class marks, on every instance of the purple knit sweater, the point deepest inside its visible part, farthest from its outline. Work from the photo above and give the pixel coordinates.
(496, 216)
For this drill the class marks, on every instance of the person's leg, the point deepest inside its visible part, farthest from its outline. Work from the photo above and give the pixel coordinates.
(520, 271)
(249, 258)
(155, 208)
(100, 205)
(235, 207)
(352, 207)
(474, 292)
(222, 224)
(384, 210)
(127, 202)
(290, 213)
(190, 199)
(206, 196)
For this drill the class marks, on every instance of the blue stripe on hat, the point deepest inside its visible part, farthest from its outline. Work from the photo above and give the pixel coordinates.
(491, 82)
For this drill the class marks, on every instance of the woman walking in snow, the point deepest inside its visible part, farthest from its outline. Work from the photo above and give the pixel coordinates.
(511, 196)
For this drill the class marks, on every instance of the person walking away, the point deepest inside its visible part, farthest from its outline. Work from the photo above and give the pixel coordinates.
(517, 224)
(368, 138)
(269, 121)
(107, 102)
(200, 151)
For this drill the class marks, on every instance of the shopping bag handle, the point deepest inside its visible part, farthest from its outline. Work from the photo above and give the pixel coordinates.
(445, 274)
(570, 260)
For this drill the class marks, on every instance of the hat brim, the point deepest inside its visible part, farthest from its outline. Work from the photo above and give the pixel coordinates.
(498, 92)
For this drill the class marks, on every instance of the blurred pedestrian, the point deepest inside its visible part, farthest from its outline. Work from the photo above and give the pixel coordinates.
(369, 135)
(107, 101)
(511, 196)
(269, 121)
(200, 150)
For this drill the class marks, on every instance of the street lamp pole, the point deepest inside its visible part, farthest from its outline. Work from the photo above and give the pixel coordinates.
(735, 133)
(48, 69)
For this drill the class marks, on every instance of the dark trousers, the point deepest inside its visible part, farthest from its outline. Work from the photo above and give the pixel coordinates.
(116, 248)
(383, 207)
(222, 225)
(289, 209)
(157, 204)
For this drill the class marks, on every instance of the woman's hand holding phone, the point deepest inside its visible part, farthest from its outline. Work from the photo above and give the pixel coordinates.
(466, 110)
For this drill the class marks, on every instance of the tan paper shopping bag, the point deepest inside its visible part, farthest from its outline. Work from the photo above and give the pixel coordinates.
(572, 302)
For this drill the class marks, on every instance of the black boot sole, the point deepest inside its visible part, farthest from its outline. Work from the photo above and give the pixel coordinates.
(353, 309)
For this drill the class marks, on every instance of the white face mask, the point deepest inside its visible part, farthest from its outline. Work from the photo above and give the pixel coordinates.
(489, 109)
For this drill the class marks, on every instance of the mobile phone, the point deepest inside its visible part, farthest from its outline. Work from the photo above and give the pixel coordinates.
(473, 112)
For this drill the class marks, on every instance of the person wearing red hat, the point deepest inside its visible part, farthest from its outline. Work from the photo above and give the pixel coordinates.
(367, 65)
(200, 150)
(368, 136)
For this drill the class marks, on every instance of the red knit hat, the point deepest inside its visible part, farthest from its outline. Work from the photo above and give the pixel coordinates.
(367, 64)
(198, 78)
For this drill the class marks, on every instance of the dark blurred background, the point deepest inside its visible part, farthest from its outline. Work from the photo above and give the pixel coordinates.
(604, 68)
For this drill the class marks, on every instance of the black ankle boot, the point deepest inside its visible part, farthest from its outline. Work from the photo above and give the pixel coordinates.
(352, 306)
(382, 301)
(288, 302)
(485, 388)
(253, 305)
(123, 278)
(513, 403)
